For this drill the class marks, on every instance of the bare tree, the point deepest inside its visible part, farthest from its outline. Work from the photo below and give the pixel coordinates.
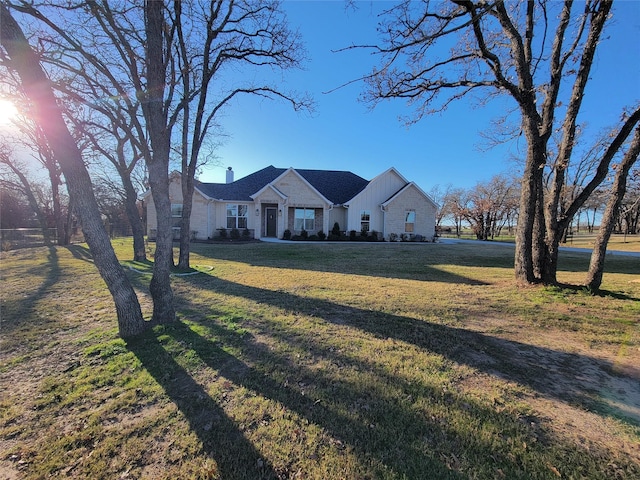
(48, 115)
(454, 205)
(628, 219)
(240, 35)
(30, 138)
(118, 62)
(596, 265)
(503, 49)
(438, 195)
(23, 186)
(108, 138)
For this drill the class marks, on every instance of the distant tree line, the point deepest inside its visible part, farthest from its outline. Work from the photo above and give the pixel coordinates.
(490, 208)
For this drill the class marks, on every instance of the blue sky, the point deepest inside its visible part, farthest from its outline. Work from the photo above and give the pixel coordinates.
(344, 134)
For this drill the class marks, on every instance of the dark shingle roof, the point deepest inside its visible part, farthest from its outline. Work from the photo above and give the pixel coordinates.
(336, 186)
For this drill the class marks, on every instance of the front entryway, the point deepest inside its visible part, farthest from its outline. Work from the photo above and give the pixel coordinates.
(272, 222)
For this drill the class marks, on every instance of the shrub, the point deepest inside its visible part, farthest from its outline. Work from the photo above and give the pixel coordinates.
(404, 237)
(223, 232)
(313, 238)
(304, 234)
(286, 235)
(336, 230)
(235, 233)
(321, 235)
(334, 238)
(393, 237)
(352, 235)
(246, 234)
(373, 237)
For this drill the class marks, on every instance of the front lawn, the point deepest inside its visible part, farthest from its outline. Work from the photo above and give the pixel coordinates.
(321, 361)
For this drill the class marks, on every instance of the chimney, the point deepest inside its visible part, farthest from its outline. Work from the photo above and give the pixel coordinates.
(229, 175)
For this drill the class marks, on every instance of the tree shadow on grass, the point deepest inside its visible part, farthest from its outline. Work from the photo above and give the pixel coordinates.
(17, 310)
(574, 378)
(403, 453)
(80, 252)
(582, 289)
(368, 259)
(221, 439)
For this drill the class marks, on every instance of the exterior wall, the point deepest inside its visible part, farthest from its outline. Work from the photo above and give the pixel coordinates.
(377, 192)
(337, 214)
(411, 199)
(199, 217)
(299, 192)
(199, 214)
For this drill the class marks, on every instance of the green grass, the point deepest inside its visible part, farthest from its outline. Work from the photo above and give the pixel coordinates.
(321, 361)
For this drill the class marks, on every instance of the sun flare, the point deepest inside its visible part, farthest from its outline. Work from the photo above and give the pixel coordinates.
(8, 111)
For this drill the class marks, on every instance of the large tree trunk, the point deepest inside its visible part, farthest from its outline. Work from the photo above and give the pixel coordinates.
(185, 221)
(524, 229)
(596, 265)
(527, 258)
(48, 115)
(158, 165)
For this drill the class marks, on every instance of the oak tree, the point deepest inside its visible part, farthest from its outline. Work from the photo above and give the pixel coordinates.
(47, 114)
(537, 53)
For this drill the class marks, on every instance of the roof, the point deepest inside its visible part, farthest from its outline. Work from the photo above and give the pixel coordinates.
(336, 186)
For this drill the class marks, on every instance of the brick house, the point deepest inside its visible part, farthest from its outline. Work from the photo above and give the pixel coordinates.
(273, 200)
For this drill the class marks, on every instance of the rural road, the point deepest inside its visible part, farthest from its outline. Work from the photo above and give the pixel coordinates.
(562, 249)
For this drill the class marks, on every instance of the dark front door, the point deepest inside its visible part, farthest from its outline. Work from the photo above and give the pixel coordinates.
(272, 222)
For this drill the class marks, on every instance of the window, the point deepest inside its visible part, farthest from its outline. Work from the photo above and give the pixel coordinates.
(305, 219)
(409, 221)
(365, 218)
(176, 210)
(237, 215)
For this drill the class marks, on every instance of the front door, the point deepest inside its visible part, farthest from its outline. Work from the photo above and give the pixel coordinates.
(272, 222)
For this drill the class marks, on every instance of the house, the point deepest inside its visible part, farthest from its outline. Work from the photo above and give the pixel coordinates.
(273, 200)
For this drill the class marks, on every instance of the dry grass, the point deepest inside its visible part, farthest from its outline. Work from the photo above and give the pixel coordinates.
(624, 243)
(322, 361)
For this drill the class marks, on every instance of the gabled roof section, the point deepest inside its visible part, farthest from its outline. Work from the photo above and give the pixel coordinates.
(403, 189)
(336, 186)
(242, 189)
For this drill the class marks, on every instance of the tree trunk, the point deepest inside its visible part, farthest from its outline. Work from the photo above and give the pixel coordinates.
(596, 265)
(48, 115)
(54, 178)
(158, 164)
(185, 221)
(528, 226)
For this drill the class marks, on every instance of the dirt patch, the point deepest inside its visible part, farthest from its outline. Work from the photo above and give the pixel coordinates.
(580, 392)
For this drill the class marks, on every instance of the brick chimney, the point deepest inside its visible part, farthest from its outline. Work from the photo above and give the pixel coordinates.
(229, 175)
